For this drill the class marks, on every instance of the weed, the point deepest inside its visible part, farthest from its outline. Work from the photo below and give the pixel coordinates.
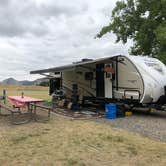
(132, 149)
(76, 141)
(18, 139)
(113, 138)
(71, 162)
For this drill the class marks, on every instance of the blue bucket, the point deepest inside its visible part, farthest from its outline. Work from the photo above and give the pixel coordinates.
(110, 111)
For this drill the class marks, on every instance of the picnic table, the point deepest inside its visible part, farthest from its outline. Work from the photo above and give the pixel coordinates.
(26, 103)
(23, 101)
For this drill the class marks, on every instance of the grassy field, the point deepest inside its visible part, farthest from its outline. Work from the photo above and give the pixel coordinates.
(71, 142)
(33, 91)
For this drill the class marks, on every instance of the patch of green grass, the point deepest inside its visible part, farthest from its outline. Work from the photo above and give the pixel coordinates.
(75, 162)
(71, 162)
(132, 149)
(112, 138)
(18, 139)
(76, 141)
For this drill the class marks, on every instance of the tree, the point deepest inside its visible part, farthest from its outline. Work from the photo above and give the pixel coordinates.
(44, 83)
(143, 21)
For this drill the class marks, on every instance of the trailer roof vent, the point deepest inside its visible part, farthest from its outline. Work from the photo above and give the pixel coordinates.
(83, 60)
(86, 60)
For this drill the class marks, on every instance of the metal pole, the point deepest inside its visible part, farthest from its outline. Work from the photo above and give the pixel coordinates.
(4, 96)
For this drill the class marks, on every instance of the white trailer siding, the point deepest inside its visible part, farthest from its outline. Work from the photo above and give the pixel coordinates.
(130, 83)
(77, 76)
(153, 73)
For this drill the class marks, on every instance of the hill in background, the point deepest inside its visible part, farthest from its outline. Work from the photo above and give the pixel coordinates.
(12, 81)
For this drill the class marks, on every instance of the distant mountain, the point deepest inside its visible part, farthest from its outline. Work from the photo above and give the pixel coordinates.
(26, 82)
(12, 81)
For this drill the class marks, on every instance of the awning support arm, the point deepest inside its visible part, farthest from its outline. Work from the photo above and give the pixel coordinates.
(47, 75)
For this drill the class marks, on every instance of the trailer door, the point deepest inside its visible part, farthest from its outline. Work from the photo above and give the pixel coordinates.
(100, 80)
(54, 85)
(108, 80)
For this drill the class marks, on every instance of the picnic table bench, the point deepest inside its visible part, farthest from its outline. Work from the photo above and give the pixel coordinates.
(32, 113)
(34, 107)
(12, 110)
(12, 113)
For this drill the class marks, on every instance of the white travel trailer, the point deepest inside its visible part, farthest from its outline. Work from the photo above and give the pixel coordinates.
(137, 79)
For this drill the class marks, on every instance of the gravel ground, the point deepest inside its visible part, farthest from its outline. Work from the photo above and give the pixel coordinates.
(151, 125)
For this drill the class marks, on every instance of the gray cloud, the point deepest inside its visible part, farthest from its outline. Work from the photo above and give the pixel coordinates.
(20, 17)
(4, 3)
(36, 34)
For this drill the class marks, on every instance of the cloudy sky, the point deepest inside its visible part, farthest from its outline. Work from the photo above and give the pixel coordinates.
(38, 34)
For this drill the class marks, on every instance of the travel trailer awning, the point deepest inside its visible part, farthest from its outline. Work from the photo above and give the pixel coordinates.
(54, 69)
(72, 66)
